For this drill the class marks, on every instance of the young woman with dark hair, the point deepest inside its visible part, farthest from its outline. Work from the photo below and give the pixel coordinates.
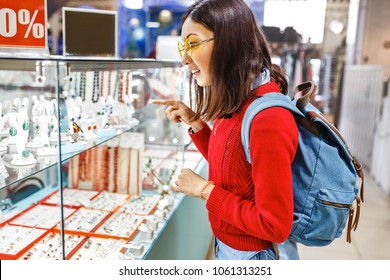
(250, 207)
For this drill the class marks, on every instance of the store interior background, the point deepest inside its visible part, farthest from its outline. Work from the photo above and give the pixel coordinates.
(350, 63)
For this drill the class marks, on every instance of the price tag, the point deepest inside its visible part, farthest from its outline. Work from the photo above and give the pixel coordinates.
(23, 23)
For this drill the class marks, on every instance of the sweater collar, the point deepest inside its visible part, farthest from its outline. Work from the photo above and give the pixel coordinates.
(271, 86)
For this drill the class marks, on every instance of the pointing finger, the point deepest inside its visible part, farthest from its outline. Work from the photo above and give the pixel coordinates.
(164, 102)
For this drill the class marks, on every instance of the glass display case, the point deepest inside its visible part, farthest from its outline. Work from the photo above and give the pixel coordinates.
(87, 163)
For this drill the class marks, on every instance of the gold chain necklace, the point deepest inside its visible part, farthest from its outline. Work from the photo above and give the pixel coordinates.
(216, 127)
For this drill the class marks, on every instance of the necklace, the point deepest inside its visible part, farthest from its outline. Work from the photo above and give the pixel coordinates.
(95, 88)
(82, 86)
(101, 84)
(121, 86)
(216, 127)
(109, 83)
(116, 169)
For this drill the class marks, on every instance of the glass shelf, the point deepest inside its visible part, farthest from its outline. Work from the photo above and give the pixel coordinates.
(20, 172)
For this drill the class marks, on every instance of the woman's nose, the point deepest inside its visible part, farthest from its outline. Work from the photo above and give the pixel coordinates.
(186, 59)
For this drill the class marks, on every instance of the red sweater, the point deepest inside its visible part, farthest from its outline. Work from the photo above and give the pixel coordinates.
(251, 206)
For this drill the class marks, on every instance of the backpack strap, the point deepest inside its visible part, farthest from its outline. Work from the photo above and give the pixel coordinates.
(309, 88)
(268, 100)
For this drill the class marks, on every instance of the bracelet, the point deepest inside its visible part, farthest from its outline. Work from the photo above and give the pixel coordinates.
(203, 189)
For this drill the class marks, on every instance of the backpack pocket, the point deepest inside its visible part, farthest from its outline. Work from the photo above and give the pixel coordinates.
(330, 206)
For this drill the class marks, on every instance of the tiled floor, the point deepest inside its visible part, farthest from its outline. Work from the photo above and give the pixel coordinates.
(371, 240)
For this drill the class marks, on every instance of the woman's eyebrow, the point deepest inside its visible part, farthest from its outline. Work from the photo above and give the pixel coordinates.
(191, 35)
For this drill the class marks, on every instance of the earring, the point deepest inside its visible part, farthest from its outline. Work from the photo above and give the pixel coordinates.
(26, 125)
(51, 125)
(36, 128)
(26, 153)
(13, 131)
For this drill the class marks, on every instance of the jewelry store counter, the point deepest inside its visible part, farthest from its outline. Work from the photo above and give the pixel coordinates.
(106, 225)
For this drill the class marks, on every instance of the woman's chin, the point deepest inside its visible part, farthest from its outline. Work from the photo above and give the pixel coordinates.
(200, 82)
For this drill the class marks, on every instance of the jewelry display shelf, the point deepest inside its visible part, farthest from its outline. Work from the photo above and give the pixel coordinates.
(97, 223)
(118, 231)
(108, 201)
(68, 150)
(69, 101)
(71, 197)
(125, 226)
(140, 205)
(27, 227)
(45, 119)
(134, 244)
(50, 247)
(95, 248)
(15, 240)
(40, 216)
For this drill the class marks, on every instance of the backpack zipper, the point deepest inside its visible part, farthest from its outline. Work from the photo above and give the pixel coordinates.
(335, 204)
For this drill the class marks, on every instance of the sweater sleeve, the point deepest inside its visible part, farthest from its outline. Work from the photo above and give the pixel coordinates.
(201, 140)
(269, 216)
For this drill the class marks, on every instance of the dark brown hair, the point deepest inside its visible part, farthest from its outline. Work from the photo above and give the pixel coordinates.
(240, 54)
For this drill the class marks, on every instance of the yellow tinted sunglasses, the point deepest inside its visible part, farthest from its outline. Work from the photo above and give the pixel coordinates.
(188, 47)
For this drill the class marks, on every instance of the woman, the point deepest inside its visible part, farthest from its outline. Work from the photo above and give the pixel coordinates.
(250, 207)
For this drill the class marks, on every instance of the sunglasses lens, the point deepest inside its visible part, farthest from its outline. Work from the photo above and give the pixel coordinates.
(181, 48)
(187, 47)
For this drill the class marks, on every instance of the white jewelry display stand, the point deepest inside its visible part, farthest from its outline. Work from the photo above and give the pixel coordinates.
(36, 111)
(11, 120)
(23, 156)
(42, 139)
(3, 149)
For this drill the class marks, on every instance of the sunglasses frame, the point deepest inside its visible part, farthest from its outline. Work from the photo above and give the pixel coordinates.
(186, 46)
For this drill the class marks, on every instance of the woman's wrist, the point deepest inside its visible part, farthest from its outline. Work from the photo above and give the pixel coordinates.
(206, 189)
(197, 125)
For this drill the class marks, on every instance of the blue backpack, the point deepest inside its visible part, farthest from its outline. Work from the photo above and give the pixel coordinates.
(324, 171)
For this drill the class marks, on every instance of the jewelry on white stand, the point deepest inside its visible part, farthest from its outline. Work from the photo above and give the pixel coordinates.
(108, 110)
(37, 110)
(89, 131)
(102, 118)
(3, 131)
(75, 132)
(24, 156)
(3, 148)
(82, 117)
(12, 128)
(53, 127)
(129, 107)
(3, 175)
(26, 103)
(16, 104)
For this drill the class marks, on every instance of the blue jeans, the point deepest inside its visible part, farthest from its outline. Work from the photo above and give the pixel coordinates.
(224, 252)
(288, 250)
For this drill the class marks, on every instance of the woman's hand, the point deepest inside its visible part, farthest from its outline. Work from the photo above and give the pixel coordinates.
(189, 183)
(178, 112)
